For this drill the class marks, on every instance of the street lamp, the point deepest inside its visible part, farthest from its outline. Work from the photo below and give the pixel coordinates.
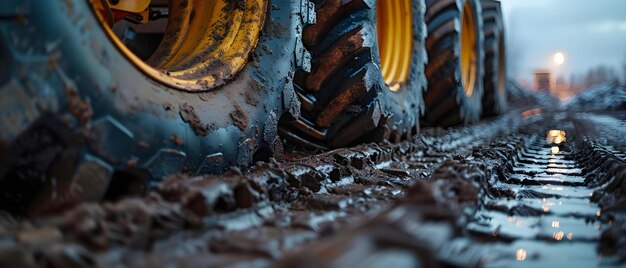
(559, 58)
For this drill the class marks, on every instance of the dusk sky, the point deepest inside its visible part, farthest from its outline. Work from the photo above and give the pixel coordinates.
(588, 32)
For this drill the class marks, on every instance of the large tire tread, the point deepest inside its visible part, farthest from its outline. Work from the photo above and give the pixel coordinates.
(446, 102)
(65, 78)
(347, 99)
(494, 100)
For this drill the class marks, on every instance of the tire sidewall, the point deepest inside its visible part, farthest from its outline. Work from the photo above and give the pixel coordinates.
(407, 105)
(66, 47)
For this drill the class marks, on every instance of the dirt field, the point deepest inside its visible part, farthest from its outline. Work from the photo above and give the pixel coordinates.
(497, 193)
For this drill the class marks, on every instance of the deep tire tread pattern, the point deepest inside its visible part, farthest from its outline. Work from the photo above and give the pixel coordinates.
(494, 101)
(446, 102)
(349, 101)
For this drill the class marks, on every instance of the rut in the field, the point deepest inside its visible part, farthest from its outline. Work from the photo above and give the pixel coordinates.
(543, 208)
(497, 194)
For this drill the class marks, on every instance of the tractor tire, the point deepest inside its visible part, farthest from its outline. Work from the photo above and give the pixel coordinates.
(494, 99)
(77, 115)
(449, 99)
(345, 99)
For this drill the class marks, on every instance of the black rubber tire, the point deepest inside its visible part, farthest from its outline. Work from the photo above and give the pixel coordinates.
(76, 114)
(345, 100)
(494, 99)
(446, 101)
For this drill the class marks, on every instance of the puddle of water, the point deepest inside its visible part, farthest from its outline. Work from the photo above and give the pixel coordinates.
(547, 227)
(545, 178)
(561, 178)
(553, 191)
(526, 253)
(574, 207)
(543, 159)
(550, 221)
(536, 169)
(541, 153)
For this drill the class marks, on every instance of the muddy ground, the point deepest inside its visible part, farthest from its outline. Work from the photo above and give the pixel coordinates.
(495, 194)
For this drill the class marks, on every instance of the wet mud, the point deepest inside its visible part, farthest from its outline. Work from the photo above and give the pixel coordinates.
(500, 193)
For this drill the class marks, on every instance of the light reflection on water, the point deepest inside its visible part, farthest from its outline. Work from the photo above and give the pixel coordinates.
(554, 149)
(555, 136)
(558, 235)
(520, 255)
(551, 207)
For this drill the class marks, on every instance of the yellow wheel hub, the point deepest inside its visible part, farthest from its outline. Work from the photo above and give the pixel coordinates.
(205, 43)
(501, 63)
(469, 56)
(394, 23)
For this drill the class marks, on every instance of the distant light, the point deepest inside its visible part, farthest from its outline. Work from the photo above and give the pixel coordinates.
(520, 254)
(559, 58)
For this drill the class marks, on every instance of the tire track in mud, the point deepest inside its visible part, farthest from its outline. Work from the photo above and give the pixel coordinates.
(607, 130)
(494, 194)
(520, 201)
(553, 204)
(544, 214)
(252, 218)
(606, 149)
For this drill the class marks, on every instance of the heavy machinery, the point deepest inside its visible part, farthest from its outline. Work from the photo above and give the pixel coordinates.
(102, 98)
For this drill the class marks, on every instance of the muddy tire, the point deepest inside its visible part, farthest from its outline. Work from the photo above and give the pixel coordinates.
(494, 99)
(345, 99)
(77, 114)
(450, 100)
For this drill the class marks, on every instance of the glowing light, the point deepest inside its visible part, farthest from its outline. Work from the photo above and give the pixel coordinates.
(570, 236)
(558, 235)
(559, 58)
(556, 136)
(556, 224)
(554, 150)
(520, 254)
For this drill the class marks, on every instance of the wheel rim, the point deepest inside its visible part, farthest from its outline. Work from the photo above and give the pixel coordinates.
(469, 54)
(204, 44)
(394, 21)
